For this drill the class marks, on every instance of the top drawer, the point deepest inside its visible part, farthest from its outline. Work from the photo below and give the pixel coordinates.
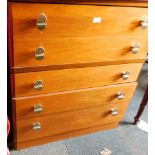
(47, 20)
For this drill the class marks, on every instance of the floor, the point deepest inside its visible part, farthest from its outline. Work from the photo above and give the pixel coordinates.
(127, 139)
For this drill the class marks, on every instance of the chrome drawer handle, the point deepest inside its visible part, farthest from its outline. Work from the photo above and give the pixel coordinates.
(38, 108)
(38, 85)
(41, 22)
(135, 48)
(39, 54)
(120, 96)
(144, 24)
(125, 75)
(36, 126)
(114, 112)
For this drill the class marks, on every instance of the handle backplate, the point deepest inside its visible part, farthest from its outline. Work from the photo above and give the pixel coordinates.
(38, 108)
(125, 75)
(36, 126)
(120, 95)
(114, 112)
(41, 22)
(38, 85)
(39, 53)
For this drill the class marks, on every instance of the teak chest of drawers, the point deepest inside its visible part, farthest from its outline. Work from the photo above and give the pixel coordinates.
(73, 66)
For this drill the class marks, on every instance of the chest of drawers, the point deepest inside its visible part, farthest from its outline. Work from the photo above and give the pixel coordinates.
(73, 65)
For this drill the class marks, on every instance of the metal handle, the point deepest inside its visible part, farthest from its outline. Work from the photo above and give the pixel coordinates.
(120, 96)
(135, 48)
(38, 108)
(41, 21)
(144, 24)
(114, 112)
(125, 75)
(39, 53)
(36, 126)
(38, 85)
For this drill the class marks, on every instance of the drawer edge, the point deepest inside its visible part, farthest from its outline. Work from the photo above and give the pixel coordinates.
(16, 70)
(127, 3)
(39, 141)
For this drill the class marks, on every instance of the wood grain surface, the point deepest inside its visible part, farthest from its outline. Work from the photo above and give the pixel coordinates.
(70, 134)
(77, 20)
(78, 92)
(68, 121)
(137, 3)
(71, 100)
(61, 51)
(69, 79)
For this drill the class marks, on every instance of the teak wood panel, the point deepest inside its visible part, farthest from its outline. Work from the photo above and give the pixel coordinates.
(70, 134)
(68, 121)
(71, 100)
(69, 79)
(77, 20)
(137, 3)
(75, 50)
(16, 70)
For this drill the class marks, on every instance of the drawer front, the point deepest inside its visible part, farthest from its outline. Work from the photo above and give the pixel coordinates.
(77, 50)
(68, 79)
(59, 102)
(28, 129)
(49, 20)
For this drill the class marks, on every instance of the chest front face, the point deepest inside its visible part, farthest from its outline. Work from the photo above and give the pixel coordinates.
(74, 67)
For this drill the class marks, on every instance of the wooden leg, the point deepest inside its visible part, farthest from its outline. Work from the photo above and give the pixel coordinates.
(142, 106)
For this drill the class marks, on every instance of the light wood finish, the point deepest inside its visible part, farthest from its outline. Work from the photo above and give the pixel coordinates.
(66, 101)
(82, 68)
(77, 20)
(68, 121)
(69, 79)
(75, 50)
(38, 141)
(137, 3)
(16, 70)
